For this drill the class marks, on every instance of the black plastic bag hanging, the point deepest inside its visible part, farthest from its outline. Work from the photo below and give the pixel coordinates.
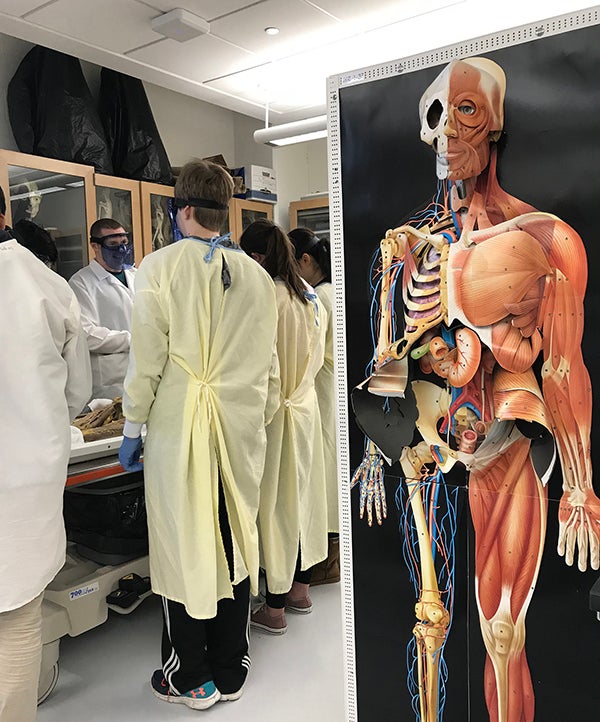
(137, 149)
(52, 112)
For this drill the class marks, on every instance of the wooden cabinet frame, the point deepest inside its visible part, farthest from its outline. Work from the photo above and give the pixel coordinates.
(146, 190)
(236, 206)
(51, 165)
(307, 204)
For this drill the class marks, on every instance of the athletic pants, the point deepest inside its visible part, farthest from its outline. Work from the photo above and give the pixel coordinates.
(195, 651)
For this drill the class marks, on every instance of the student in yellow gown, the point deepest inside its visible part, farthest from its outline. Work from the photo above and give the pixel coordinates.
(293, 512)
(202, 377)
(314, 260)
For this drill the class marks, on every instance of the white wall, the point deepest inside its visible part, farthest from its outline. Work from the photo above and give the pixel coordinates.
(301, 170)
(247, 152)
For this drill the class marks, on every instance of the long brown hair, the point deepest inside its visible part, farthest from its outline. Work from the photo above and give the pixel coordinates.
(267, 239)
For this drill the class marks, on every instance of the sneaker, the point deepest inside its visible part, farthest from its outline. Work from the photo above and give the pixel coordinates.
(201, 697)
(261, 619)
(303, 605)
(232, 696)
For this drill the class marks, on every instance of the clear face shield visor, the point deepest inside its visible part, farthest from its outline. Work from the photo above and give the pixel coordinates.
(175, 204)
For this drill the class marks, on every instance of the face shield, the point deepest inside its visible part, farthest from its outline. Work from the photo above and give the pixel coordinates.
(172, 209)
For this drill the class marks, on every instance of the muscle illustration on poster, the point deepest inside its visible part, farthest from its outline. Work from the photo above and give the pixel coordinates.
(468, 293)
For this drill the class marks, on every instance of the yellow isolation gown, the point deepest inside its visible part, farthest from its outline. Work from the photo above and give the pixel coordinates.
(324, 384)
(292, 497)
(203, 377)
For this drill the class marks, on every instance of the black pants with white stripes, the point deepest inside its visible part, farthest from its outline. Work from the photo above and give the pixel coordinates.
(195, 651)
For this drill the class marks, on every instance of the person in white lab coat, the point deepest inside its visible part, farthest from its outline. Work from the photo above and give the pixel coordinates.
(104, 289)
(45, 381)
(292, 513)
(314, 260)
(203, 377)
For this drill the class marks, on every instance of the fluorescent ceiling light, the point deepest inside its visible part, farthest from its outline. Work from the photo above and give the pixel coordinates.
(40, 192)
(296, 132)
(300, 138)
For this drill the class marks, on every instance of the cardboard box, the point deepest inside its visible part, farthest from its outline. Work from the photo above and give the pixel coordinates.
(260, 182)
(238, 183)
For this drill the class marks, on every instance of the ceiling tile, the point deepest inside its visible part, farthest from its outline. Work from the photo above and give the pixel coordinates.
(368, 15)
(122, 24)
(300, 79)
(300, 25)
(19, 7)
(283, 85)
(207, 9)
(198, 59)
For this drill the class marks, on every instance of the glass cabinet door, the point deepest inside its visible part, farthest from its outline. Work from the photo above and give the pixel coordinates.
(312, 213)
(316, 219)
(249, 216)
(119, 199)
(155, 217)
(48, 214)
(243, 212)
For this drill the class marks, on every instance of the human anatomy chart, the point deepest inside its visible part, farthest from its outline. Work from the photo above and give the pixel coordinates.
(478, 316)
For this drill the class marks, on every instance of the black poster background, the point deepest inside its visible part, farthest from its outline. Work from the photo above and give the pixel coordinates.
(550, 157)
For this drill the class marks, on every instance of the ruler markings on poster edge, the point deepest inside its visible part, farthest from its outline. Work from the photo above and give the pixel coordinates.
(339, 342)
(502, 39)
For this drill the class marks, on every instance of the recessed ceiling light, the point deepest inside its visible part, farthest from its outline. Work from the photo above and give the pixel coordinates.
(272, 31)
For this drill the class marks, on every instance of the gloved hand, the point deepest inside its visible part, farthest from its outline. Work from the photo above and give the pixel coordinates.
(129, 453)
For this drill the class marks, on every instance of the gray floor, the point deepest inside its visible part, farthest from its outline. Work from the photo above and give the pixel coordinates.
(297, 677)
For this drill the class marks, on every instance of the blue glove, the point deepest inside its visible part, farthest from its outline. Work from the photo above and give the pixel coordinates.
(129, 453)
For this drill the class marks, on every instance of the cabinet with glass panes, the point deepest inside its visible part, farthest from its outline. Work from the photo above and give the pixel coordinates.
(312, 213)
(57, 201)
(50, 205)
(243, 212)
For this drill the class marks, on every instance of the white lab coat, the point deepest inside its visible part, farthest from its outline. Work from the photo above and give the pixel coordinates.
(106, 306)
(292, 496)
(203, 377)
(45, 381)
(324, 384)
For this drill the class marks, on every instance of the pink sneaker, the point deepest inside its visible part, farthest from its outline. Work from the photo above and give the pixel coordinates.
(261, 619)
(303, 605)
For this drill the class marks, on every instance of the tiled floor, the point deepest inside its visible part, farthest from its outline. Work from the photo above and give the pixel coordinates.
(297, 677)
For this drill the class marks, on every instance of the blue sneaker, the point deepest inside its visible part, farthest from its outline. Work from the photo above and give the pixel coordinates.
(201, 697)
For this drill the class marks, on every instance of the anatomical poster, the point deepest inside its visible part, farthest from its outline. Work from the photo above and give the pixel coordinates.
(471, 256)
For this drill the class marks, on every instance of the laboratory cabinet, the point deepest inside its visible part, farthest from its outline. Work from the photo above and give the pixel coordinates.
(311, 213)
